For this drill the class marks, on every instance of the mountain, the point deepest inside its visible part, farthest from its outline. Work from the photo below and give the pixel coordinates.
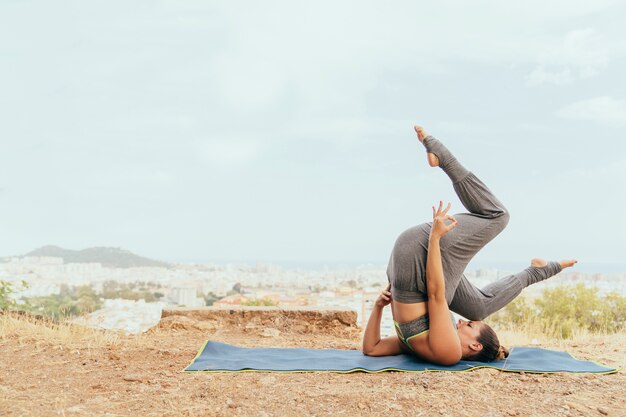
(107, 256)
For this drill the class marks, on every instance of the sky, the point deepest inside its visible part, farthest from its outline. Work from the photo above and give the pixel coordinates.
(281, 131)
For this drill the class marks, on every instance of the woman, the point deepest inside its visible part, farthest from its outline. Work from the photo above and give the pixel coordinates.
(426, 278)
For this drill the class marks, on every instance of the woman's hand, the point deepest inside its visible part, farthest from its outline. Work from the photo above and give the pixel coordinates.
(384, 298)
(440, 228)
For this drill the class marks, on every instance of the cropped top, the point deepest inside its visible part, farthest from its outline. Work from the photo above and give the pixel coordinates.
(410, 329)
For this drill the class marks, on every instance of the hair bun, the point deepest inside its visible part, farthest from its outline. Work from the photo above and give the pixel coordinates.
(503, 353)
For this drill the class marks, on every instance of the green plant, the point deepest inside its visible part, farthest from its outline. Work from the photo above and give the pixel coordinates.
(210, 298)
(259, 302)
(564, 311)
(71, 301)
(7, 302)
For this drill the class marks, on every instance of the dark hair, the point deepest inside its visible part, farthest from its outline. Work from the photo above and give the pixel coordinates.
(492, 349)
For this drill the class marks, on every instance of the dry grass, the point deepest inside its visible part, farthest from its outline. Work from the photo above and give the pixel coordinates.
(46, 332)
(535, 332)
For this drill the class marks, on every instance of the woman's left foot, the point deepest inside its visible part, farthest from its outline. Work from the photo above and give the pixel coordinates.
(433, 161)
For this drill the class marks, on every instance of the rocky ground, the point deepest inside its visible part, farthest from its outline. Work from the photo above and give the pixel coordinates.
(42, 373)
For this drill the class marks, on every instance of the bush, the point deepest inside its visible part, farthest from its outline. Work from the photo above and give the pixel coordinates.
(130, 291)
(259, 302)
(209, 298)
(7, 302)
(73, 301)
(565, 310)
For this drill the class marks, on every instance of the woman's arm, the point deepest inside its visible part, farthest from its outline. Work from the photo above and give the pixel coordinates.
(443, 340)
(373, 345)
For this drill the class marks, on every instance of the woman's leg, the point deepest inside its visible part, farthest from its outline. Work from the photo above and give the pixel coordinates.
(487, 216)
(476, 304)
(472, 192)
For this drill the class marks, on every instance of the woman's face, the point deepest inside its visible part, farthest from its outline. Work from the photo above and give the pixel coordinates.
(468, 333)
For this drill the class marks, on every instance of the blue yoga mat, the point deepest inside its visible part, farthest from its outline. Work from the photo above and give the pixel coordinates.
(221, 357)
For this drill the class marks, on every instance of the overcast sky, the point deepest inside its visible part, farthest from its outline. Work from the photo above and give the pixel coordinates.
(282, 130)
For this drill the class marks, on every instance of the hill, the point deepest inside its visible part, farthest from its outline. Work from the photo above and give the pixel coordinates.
(107, 256)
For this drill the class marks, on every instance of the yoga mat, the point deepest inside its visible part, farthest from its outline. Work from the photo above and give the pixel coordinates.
(222, 357)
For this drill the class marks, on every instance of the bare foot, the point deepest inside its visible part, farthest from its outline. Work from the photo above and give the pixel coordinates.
(421, 134)
(567, 263)
(538, 263)
(433, 161)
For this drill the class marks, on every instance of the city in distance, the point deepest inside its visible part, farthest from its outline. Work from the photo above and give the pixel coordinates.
(128, 291)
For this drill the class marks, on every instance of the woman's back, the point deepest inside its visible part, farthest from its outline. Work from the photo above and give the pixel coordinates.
(412, 324)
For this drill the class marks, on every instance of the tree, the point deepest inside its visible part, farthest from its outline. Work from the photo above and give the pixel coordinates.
(210, 298)
(7, 301)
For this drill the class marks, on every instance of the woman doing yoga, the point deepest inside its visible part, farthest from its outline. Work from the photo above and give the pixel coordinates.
(426, 278)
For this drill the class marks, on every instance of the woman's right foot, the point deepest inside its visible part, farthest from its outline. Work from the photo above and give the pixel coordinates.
(433, 161)
(566, 263)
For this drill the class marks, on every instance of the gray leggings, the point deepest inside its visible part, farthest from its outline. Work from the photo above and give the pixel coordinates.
(486, 218)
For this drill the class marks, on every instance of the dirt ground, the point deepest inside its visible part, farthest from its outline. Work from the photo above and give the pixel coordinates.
(141, 376)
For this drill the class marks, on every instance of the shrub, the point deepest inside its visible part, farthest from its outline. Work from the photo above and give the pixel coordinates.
(7, 302)
(563, 311)
(259, 302)
(210, 298)
(73, 301)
